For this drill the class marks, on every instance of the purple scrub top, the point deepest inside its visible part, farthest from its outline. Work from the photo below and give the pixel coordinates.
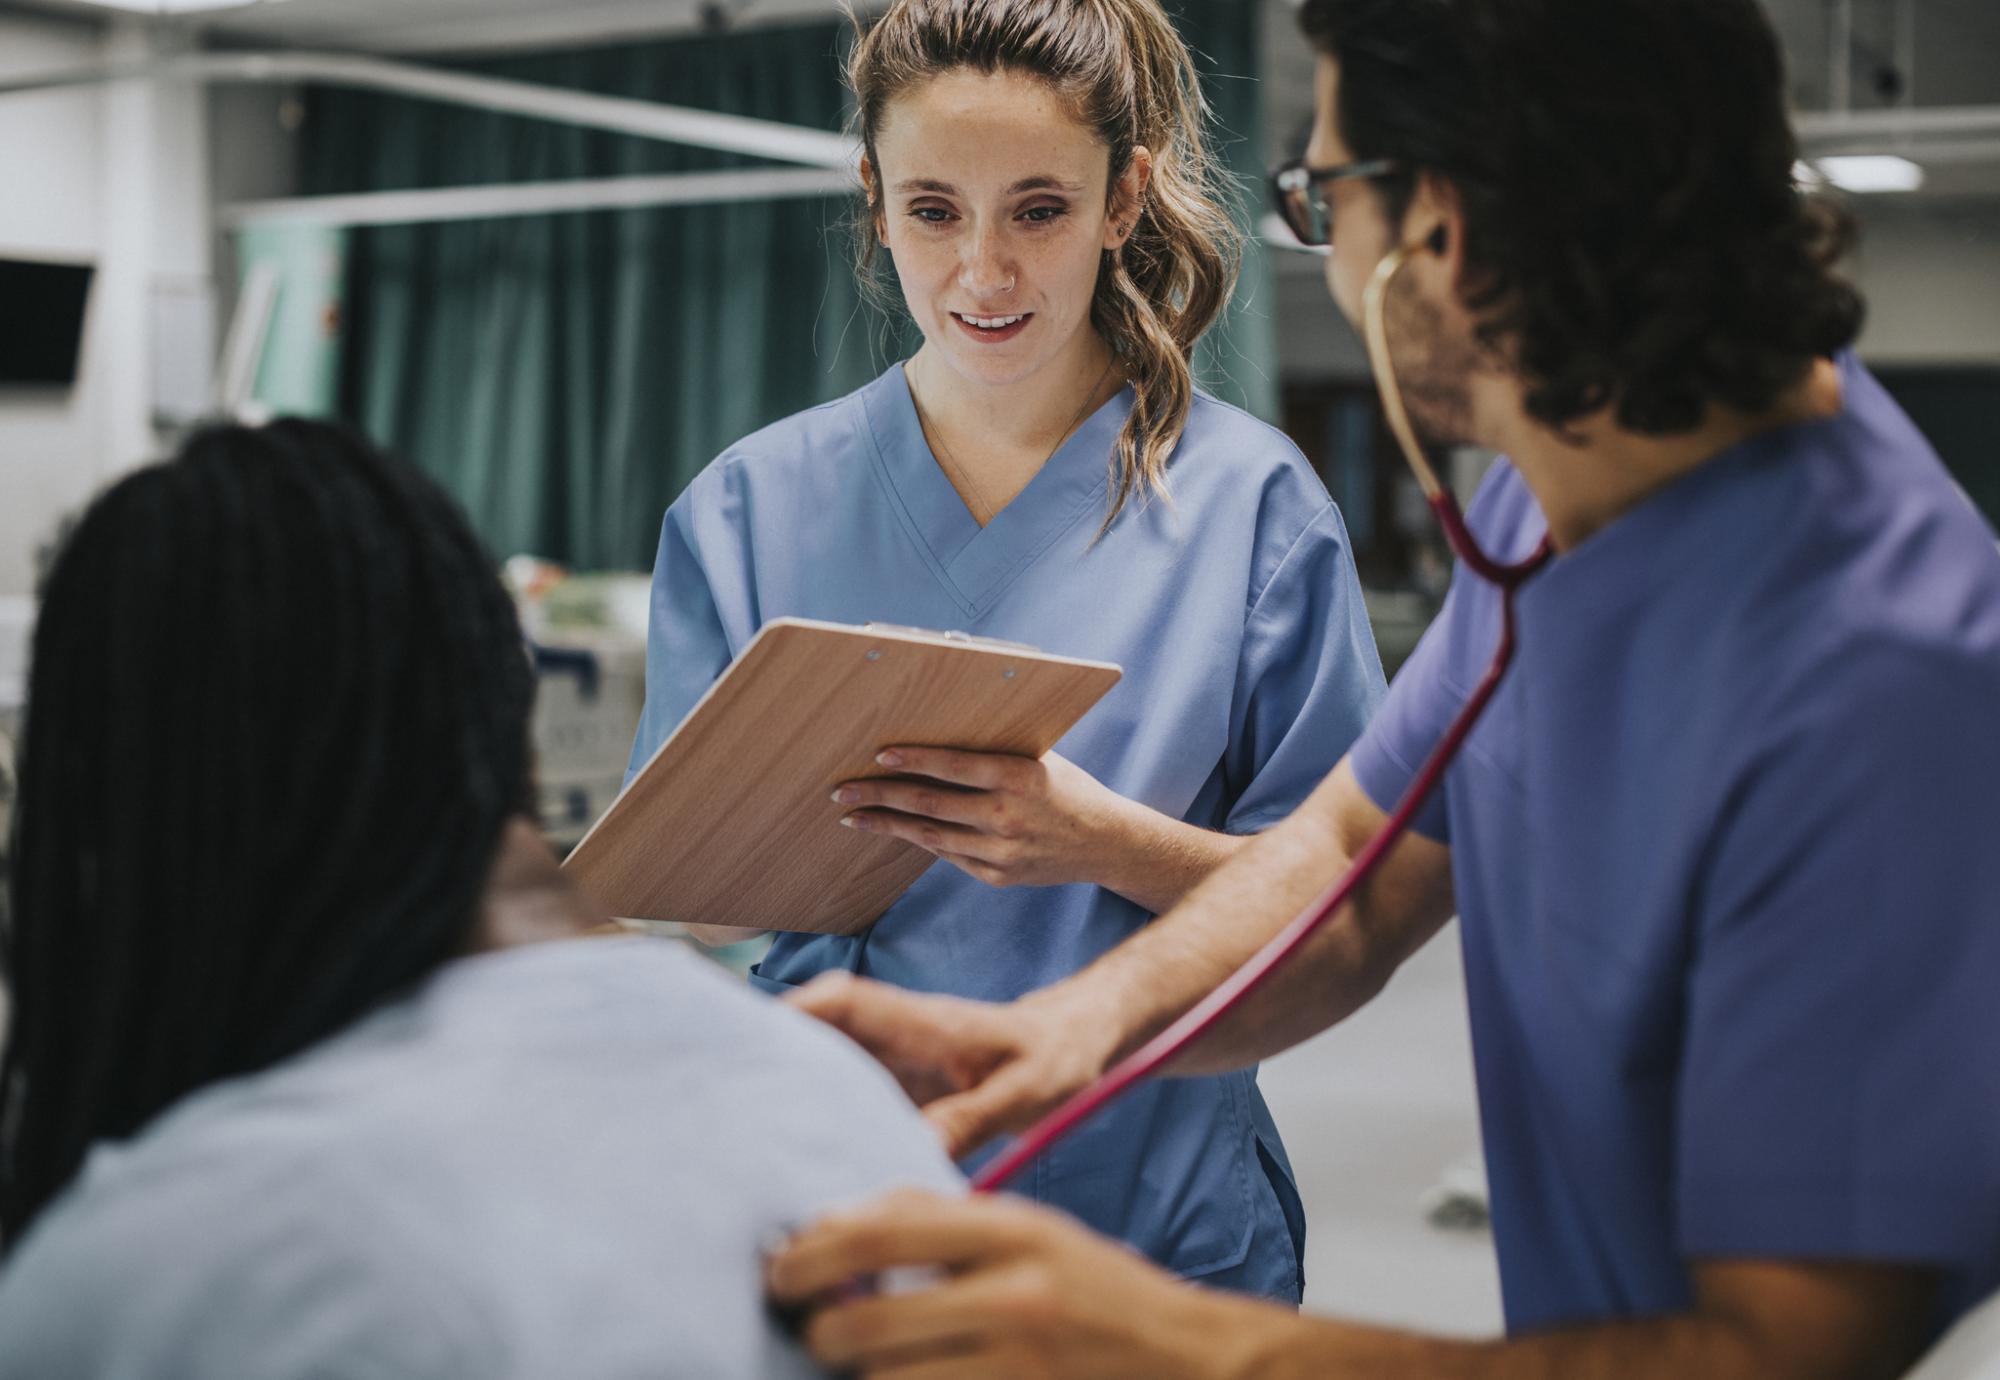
(1727, 855)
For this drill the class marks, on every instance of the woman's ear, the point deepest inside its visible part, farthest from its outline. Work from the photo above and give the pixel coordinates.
(1128, 198)
(871, 191)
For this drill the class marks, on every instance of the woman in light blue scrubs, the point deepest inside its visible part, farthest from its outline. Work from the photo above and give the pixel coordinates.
(1042, 471)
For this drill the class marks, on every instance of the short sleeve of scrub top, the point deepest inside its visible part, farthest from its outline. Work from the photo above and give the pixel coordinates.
(1307, 661)
(1441, 674)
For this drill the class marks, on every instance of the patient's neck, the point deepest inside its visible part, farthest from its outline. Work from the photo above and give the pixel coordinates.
(528, 899)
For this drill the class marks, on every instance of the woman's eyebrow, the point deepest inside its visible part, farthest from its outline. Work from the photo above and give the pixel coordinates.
(1042, 183)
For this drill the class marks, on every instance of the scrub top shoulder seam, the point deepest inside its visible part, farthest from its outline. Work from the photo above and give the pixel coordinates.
(1257, 600)
(1267, 431)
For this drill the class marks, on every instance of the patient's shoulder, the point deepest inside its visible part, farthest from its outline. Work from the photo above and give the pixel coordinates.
(621, 1116)
(817, 1098)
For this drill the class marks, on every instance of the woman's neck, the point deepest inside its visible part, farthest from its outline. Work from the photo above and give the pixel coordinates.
(992, 440)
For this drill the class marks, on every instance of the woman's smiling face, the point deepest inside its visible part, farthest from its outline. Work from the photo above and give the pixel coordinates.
(992, 200)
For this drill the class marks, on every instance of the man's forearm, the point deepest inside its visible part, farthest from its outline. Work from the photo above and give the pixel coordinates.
(1281, 1345)
(1146, 983)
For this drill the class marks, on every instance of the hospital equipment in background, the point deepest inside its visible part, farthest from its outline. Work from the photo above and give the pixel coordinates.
(588, 694)
(587, 635)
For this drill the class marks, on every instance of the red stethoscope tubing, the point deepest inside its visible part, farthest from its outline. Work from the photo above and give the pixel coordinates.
(1170, 1043)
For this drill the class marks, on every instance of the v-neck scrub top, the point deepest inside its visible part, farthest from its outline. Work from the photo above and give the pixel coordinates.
(1249, 669)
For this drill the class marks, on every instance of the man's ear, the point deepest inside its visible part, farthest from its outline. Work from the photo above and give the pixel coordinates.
(1128, 198)
(1435, 223)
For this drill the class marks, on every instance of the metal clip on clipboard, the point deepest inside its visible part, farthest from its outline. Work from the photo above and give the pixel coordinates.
(954, 635)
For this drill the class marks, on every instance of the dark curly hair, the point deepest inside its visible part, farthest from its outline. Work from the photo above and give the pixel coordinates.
(1635, 237)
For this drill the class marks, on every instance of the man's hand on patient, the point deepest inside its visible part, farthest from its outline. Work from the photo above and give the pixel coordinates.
(978, 1069)
(1024, 1291)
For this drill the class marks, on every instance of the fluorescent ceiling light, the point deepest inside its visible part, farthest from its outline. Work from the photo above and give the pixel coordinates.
(1871, 172)
(177, 6)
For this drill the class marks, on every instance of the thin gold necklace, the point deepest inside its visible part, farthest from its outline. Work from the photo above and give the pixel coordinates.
(986, 512)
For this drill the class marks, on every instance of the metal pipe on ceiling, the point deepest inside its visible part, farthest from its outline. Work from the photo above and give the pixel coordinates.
(617, 114)
(540, 198)
(1819, 128)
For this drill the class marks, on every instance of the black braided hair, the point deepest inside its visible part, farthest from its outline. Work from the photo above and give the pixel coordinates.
(277, 719)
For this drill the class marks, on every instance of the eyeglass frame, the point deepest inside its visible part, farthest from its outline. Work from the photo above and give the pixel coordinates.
(1298, 176)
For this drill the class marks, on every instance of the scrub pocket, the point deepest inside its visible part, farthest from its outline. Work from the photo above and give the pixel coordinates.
(1291, 1208)
(777, 987)
(1176, 1170)
(796, 959)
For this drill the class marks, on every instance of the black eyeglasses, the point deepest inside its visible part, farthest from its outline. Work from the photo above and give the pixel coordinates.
(1298, 190)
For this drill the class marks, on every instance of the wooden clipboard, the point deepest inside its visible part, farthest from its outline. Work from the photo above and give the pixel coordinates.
(732, 822)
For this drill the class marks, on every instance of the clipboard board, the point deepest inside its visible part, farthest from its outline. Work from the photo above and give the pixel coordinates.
(732, 822)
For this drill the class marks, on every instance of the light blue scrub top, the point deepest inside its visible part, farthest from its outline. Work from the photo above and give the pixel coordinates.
(1727, 860)
(1249, 669)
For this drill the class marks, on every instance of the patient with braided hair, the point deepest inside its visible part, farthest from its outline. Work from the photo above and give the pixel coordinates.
(313, 1067)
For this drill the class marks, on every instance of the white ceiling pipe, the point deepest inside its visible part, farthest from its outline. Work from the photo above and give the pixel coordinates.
(1818, 128)
(539, 198)
(1958, 152)
(618, 114)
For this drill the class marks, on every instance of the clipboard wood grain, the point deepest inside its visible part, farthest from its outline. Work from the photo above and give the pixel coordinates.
(733, 821)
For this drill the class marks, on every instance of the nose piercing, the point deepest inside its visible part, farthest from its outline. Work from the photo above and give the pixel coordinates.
(1010, 283)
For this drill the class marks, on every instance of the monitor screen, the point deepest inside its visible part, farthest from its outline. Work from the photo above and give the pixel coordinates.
(41, 320)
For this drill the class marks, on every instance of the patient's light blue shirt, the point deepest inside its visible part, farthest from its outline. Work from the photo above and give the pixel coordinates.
(561, 1160)
(1727, 853)
(1249, 669)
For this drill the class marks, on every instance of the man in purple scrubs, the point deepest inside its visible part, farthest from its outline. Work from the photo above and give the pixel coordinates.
(1727, 845)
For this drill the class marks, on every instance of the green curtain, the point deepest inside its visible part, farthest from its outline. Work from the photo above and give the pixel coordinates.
(565, 376)
(1238, 360)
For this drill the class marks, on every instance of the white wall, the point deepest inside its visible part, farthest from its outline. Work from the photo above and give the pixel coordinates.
(116, 176)
(1932, 279)
(51, 445)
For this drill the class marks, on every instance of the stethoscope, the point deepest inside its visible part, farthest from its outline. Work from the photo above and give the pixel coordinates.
(1163, 1048)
